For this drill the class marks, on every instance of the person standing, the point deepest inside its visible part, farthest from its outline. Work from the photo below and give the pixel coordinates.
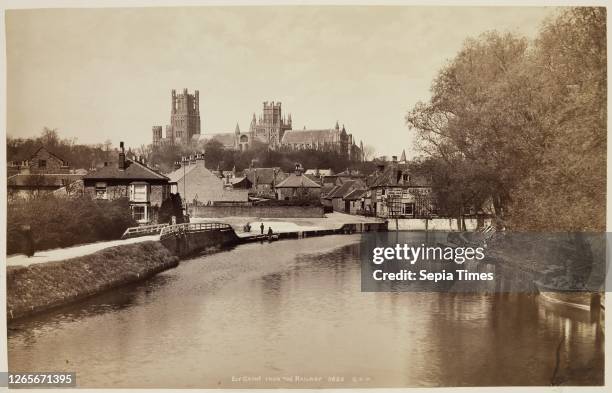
(262, 228)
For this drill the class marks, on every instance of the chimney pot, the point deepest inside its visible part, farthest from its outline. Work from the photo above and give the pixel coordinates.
(121, 163)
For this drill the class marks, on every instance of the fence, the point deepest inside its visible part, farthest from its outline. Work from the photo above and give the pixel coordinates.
(173, 230)
(143, 230)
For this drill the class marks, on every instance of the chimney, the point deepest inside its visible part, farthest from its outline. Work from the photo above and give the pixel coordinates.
(177, 165)
(121, 157)
(394, 158)
(298, 169)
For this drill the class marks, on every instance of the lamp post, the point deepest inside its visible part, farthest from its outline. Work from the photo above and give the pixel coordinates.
(184, 164)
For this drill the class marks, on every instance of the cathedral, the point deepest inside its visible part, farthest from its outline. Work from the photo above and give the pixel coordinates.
(275, 130)
(271, 128)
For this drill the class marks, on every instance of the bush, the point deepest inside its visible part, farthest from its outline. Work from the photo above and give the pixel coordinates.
(59, 222)
(172, 206)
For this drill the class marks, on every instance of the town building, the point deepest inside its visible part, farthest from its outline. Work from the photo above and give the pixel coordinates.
(39, 161)
(298, 186)
(336, 198)
(184, 119)
(145, 187)
(39, 172)
(264, 180)
(200, 186)
(356, 201)
(395, 192)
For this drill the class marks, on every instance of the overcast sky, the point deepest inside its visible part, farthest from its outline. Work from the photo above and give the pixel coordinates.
(98, 74)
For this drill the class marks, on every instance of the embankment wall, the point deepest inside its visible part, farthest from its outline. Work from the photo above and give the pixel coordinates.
(193, 242)
(435, 224)
(257, 211)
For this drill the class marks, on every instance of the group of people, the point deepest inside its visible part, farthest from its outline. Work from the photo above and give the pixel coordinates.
(247, 228)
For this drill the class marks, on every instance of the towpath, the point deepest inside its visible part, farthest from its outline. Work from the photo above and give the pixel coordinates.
(279, 225)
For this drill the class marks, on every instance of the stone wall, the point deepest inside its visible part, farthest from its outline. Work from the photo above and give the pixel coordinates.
(194, 242)
(256, 211)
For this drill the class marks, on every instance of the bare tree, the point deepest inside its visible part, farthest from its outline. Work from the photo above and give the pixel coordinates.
(368, 152)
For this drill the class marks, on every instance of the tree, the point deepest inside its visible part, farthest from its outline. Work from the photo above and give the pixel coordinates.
(523, 124)
(368, 152)
(214, 153)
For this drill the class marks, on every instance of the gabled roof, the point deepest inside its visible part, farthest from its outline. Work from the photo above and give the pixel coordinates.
(346, 187)
(27, 155)
(178, 174)
(355, 195)
(298, 181)
(134, 171)
(392, 176)
(327, 191)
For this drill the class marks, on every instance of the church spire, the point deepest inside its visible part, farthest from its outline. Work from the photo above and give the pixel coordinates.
(337, 125)
(403, 158)
(237, 131)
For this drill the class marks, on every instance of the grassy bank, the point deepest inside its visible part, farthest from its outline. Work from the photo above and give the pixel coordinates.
(43, 286)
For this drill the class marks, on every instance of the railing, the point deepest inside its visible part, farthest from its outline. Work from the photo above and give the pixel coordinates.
(178, 229)
(143, 230)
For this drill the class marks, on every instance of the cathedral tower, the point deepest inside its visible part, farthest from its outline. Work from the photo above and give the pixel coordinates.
(184, 116)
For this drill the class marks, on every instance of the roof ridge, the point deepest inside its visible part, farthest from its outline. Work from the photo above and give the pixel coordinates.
(148, 169)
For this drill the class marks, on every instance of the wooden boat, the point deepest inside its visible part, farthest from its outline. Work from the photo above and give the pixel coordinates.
(575, 298)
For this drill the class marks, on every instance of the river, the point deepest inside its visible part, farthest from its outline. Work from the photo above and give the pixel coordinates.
(291, 314)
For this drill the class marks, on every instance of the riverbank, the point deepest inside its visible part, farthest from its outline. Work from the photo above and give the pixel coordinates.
(58, 277)
(41, 287)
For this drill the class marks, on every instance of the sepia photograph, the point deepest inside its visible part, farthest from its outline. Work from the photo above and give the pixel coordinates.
(305, 195)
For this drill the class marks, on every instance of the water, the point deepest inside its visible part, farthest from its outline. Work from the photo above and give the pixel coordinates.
(291, 314)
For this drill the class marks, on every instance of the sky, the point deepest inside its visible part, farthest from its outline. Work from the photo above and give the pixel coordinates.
(106, 74)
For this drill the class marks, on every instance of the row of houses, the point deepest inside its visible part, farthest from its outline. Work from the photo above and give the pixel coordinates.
(390, 191)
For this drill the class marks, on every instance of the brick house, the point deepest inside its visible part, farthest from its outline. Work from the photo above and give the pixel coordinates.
(38, 172)
(39, 161)
(145, 188)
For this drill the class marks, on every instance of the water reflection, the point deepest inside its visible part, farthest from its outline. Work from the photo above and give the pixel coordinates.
(291, 308)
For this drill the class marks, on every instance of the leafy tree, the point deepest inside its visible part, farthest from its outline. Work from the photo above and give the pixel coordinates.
(523, 125)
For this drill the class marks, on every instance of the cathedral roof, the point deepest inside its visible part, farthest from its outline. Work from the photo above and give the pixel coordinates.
(311, 136)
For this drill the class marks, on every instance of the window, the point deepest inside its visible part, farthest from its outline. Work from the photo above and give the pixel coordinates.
(101, 191)
(42, 163)
(139, 193)
(406, 178)
(165, 192)
(139, 213)
(408, 209)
